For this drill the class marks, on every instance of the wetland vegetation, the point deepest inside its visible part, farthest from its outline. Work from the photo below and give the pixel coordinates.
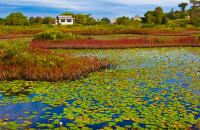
(147, 88)
(96, 74)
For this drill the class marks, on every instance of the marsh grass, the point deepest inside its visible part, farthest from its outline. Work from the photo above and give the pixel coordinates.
(20, 62)
(140, 41)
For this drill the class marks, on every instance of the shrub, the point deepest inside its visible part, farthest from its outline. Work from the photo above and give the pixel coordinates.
(56, 36)
(9, 52)
(16, 19)
(49, 35)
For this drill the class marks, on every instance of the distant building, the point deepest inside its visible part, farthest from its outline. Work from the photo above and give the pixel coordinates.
(113, 20)
(196, 3)
(64, 20)
(137, 18)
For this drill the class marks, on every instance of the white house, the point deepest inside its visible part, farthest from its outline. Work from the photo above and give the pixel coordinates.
(64, 20)
(137, 18)
(113, 20)
(195, 3)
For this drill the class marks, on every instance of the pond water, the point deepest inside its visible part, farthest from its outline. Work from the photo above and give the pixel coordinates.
(145, 88)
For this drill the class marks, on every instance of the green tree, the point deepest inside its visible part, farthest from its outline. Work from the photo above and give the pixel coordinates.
(35, 20)
(48, 20)
(123, 20)
(67, 13)
(179, 15)
(84, 19)
(149, 17)
(159, 15)
(91, 20)
(31, 20)
(105, 21)
(2, 21)
(170, 15)
(183, 5)
(165, 19)
(156, 16)
(195, 16)
(16, 19)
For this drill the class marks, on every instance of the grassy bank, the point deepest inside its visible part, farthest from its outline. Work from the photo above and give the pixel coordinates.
(13, 31)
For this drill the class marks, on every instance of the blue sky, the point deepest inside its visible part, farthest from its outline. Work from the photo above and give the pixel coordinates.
(98, 8)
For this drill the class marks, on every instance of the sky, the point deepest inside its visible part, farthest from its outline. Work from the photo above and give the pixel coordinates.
(98, 8)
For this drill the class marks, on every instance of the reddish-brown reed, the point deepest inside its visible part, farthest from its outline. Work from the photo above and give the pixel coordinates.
(120, 43)
(51, 67)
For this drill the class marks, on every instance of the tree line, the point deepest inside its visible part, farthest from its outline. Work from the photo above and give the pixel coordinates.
(152, 17)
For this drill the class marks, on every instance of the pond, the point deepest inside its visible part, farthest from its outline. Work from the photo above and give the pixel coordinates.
(145, 88)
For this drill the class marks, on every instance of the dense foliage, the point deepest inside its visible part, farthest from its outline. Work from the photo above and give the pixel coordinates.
(16, 19)
(2, 21)
(156, 17)
(55, 35)
(40, 20)
(195, 16)
(104, 21)
(123, 20)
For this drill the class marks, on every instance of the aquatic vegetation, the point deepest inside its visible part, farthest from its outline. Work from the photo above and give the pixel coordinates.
(118, 43)
(148, 88)
(44, 65)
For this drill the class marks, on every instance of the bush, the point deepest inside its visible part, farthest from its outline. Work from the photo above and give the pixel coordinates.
(148, 25)
(16, 19)
(54, 35)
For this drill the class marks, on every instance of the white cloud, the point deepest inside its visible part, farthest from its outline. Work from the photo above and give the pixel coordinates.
(88, 4)
(152, 2)
(111, 8)
(70, 4)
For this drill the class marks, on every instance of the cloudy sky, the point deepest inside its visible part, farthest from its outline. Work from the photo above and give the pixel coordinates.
(98, 8)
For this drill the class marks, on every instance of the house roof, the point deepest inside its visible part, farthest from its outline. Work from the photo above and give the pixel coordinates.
(65, 17)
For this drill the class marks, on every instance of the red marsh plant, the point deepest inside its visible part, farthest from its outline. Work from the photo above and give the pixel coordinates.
(45, 65)
(119, 43)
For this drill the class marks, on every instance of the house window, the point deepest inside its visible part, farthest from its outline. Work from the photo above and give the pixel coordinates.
(69, 20)
(62, 20)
